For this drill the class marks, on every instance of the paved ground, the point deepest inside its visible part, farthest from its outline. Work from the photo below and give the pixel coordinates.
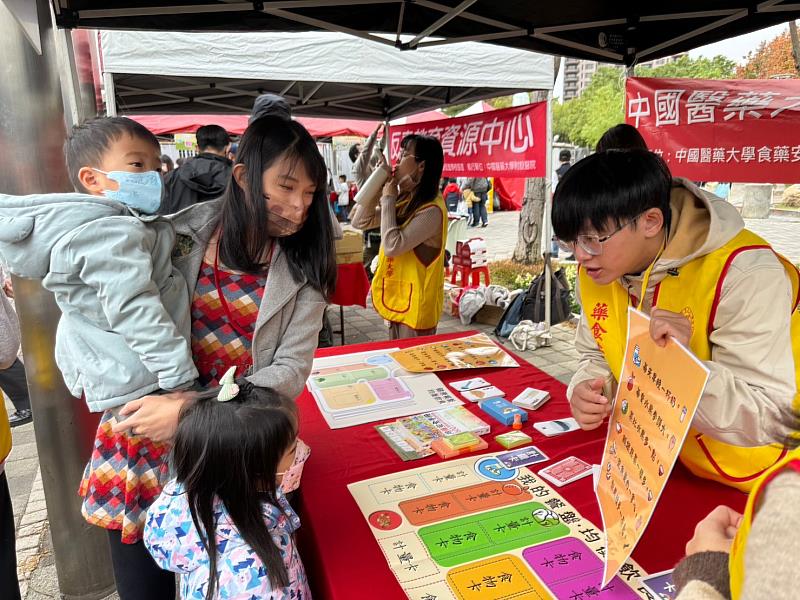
(35, 559)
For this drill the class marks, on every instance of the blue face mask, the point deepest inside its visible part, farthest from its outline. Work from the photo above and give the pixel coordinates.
(140, 191)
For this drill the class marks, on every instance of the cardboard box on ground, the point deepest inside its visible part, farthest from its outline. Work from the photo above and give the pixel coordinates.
(350, 248)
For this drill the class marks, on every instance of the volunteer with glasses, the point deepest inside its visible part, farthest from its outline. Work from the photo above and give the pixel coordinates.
(407, 287)
(644, 239)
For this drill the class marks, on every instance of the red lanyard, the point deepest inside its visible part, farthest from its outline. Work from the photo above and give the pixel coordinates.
(231, 321)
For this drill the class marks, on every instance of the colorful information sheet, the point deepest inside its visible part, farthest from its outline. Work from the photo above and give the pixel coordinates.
(657, 396)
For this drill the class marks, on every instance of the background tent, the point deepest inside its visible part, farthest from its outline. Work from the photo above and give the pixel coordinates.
(236, 124)
(320, 74)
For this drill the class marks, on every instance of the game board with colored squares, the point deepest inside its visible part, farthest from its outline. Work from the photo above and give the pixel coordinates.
(475, 529)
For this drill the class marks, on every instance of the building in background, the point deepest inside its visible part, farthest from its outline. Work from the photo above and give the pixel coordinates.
(578, 73)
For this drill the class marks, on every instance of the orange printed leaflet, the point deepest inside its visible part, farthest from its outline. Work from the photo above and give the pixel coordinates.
(657, 396)
(469, 352)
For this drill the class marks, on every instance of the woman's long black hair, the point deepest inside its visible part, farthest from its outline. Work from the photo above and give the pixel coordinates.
(428, 149)
(231, 451)
(243, 219)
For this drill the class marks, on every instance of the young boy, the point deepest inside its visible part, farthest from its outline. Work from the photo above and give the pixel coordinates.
(125, 317)
(646, 240)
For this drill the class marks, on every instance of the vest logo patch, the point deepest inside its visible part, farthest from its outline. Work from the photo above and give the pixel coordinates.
(687, 312)
(599, 313)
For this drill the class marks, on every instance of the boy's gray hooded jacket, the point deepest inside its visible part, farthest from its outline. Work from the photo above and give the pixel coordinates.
(124, 330)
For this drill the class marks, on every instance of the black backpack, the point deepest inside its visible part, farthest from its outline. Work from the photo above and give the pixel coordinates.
(530, 304)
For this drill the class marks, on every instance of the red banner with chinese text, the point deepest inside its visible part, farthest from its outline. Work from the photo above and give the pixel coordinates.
(511, 142)
(744, 130)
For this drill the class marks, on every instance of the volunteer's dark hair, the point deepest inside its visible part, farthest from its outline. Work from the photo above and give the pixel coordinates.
(565, 156)
(212, 136)
(88, 142)
(243, 216)
(427, 149)
(621, 137)
(231, 451)
(353, 152)
(610, 188)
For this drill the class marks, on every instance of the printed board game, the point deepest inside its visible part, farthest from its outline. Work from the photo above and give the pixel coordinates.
(488, 527)
(370, 386)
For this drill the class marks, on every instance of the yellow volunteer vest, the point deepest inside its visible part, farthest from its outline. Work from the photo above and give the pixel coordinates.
(5, 436)
(736, 560)
(693, 291)
(406, 291)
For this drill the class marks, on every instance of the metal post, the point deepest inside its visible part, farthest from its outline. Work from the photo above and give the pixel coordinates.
(548, 205)
(31, 136)
(110, 97)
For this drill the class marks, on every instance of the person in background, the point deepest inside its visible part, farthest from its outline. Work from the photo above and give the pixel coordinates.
(480, 186)
(270, 105)
(203, 177)
(407, 287)
(365, 158)
(621, 137)
(9, 584)
(180, 161)
(13, 381)
(167, 165)
(565, 162)
(452, 195)
(343, 198)
(232, 152)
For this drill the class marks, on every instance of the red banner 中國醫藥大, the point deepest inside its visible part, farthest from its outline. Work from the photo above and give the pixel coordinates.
(743, 130)
(511, 142)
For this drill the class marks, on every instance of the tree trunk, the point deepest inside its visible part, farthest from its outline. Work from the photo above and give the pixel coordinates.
(795, 45)
(529, 236)
(531, 216)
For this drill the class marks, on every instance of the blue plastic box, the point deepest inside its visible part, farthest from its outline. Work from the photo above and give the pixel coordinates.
(502, 410)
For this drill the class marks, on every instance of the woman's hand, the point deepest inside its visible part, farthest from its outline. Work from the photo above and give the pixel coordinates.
(715, 533)
(390, 188)
(155, 417)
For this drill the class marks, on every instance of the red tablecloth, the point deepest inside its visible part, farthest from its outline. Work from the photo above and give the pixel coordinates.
(352, 285)
(343, 559)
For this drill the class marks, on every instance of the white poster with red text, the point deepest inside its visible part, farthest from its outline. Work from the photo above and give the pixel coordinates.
(745, 130)
(511, 142)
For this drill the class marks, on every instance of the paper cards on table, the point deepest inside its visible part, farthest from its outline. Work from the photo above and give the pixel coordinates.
(352, 389)
(658, 393)
(469, 352)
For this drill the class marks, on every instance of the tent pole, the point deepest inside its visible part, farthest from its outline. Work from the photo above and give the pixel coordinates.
(548, 205)
(111, 98)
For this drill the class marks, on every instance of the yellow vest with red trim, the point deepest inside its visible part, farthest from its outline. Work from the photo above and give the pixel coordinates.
(5, 436)
(694, 292)
(404, 290)
(736, 560)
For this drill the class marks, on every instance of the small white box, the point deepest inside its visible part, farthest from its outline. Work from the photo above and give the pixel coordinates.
(531, 398)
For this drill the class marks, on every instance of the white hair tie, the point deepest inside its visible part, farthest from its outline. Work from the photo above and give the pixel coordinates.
(229, 389)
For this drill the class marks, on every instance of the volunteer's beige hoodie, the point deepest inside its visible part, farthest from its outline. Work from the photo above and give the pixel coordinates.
(752, 384)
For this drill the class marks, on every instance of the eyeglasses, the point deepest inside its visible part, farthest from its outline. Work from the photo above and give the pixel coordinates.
(593, 244)
(405, 153)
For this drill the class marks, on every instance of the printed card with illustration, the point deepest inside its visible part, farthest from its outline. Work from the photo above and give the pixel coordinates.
(566, 471)
(657, 396)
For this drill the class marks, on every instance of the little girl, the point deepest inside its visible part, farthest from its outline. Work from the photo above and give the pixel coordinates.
(230, 454)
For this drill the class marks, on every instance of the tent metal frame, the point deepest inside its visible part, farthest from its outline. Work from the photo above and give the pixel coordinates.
(290, 11)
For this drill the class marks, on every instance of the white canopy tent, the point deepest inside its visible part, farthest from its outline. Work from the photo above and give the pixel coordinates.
(322, 74)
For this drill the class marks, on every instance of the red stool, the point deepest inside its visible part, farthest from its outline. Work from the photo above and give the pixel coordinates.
(466, 274)
(475, 276)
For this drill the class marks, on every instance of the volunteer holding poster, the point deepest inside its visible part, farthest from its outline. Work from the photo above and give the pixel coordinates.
(645, 239)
